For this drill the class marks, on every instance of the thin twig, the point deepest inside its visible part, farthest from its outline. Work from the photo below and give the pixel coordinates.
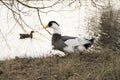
(37, 7)
(18, 22)
(9, 7)
(60, 10)
(97, 5)
(41, 21)
(4, 39)
(11, 29)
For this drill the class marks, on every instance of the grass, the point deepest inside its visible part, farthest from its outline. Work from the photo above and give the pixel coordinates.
(104, 65)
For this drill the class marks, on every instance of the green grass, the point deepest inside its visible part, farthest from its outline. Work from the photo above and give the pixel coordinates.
(104, 65)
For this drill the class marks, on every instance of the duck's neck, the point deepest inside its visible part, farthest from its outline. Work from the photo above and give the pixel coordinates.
(57, 30)
(31, 35)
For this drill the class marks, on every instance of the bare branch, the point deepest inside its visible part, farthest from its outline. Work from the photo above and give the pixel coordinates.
(9, 7)
(41, 21)
(97, 5)
(11, 29)
(71, 2)
(4, 39)
(38, 7)
(18, 22)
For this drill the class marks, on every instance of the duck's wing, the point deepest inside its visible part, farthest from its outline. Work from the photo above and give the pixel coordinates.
(79, 43)
(64, 38)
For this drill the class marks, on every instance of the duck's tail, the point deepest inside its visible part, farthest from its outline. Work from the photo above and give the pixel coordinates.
(92, 40)
(87, 45)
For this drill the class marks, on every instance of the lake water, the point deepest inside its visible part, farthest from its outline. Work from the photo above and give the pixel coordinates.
(73, 22)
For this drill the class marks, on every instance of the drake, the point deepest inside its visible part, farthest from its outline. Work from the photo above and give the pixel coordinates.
(67, 44)
(23, 36)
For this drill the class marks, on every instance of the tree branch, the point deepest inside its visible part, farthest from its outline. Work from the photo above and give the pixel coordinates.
(4, 39)
(41, 21)
(9, 7)
(38, 7)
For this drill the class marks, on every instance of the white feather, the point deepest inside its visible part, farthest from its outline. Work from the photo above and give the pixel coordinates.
(76, 42)
(69, 49)
(72, 43)
(56, 28)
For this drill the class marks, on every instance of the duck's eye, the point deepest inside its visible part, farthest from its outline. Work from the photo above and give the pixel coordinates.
(50, 24)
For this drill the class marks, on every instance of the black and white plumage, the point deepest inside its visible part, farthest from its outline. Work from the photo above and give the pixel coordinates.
(67, 43)
(23, 36)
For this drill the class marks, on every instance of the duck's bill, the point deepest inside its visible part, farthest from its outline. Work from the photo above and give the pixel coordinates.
(46, 26)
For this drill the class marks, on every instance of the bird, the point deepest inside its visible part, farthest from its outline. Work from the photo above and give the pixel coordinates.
(67, 44)
(23, 36)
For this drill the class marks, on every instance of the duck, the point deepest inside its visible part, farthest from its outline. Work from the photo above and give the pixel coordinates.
(67, 44)
(23, 36)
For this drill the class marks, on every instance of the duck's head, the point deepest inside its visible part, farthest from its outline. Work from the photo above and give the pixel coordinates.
(52, 24)
(32, 32)
(55, 26)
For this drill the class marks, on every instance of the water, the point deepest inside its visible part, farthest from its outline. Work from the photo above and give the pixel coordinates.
(73, 22)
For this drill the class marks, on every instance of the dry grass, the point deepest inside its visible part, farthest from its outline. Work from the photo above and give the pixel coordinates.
(104, 65)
